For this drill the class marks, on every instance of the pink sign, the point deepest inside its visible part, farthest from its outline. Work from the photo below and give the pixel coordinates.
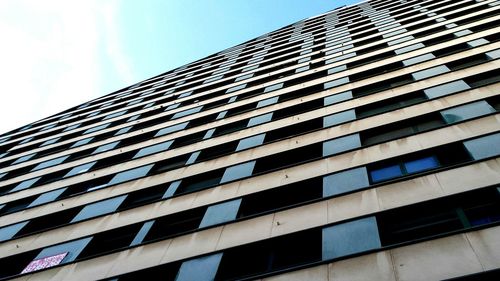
(44, 263)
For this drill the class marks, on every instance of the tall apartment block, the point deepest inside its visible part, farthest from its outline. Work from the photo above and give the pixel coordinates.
(360, 144)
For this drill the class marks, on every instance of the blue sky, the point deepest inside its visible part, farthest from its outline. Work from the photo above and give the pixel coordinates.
(56, 54)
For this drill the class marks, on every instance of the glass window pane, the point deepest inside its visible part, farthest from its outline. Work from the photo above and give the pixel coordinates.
(8, 232)
(337, 98)
(187, 112)
(445, 89)
(236, 88)
(430, 72)
(130, 174)
(421, 164)
(386, 173)
(238, 171)
(25, 184)
(409, 48)
(73, 248)
(98, 128)
(153, 149)
(273, 87)
(23, 158)
(336, 83)
(266, 102)
(337, 69)
(82, 142)
(260, 119)
(199, 269)
(418, 59)
(50, 163)
(99, 208)
(171, 189)
(484, 147)
(221, 213)
(345, 181)
(338, 118)
(250, 142)
(341, 144)
(350, 238)
(171, 129)
(80, 169)
(106, 147)
(139, 237)
(466, 111)
(339, 58)
(47, 197)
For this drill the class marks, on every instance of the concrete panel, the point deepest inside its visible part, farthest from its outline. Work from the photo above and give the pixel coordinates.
(376, 266)
(486, 245)
(352, 205)
(193, 244)
(436, 259)
(296, 219)
(317, 273)
(466, 178)
(246, 232)
(408, 192)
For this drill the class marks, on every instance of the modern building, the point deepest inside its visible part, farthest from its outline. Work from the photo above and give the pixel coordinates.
(360, 144)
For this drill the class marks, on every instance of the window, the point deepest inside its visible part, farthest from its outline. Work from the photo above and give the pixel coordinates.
(97, 128)
(236, 88)
(409, 48)
(130, 174)
(350, 238)
(336, 98)
(337, 69)
(260, 119)
(23, 158)
(72, 250)
(25, 184)
(418, 59)
(50, 163)
(336, 83)
(484, 147)
(200, 269)
(139, 237)
(273, 87)
(341, 144)
(80, 169)
(430, 72)
(51, 141)
(446, 89)
(106, 147)
(171, 129)
(116, 114)
(99, 208)
(338, 118)
(345, 181)
(82, 142)
(153, 149)
(7, 232)
(250, 142)
(466, 111)
(266, 102)
(238, 171)
(477, 42)
(339, 58)
(187, 112)
(47, 197)
(221, 213)
(386, 172)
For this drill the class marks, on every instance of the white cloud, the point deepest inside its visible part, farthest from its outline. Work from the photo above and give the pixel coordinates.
(50, 56)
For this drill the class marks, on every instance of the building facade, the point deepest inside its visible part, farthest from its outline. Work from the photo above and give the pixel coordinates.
(360, 144)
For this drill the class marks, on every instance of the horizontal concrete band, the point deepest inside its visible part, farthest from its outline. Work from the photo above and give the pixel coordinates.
(357, 204)
(257, 152)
